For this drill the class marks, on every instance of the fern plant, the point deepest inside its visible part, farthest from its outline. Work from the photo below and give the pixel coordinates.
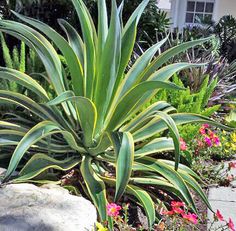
(26, 62)
(186, 101)
(17, 59)
(87, 124)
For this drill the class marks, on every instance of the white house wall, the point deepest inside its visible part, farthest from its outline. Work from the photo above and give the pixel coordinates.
(221, 8)
(178, 11)
(165, 5)
(224, 7)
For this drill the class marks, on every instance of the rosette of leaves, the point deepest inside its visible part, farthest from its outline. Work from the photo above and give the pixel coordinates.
(90, 123)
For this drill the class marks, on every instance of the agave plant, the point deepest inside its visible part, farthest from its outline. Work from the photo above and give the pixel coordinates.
(91, 123)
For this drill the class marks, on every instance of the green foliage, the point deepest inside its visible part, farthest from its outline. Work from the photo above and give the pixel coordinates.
(186, 101)
(231, 118)
(86, 122)
(153, 22)
(10, 62)
(226, 30)
(189, 131)
(6, 53)
(209, 170)
(225, 150)
(22, 58)
(17, 59)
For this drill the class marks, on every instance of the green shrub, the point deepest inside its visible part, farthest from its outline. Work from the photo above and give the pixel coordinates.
(225, 30)
(186, 101)
(87, 125)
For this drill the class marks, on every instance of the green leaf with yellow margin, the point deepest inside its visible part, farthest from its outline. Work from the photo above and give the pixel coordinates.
(95, 186)
(124, 150)
(41, 162)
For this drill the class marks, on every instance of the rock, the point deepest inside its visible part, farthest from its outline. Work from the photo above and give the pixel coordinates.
(2, 171)
(26, 207)
(142, 218)
(222, 194)
(224, 199)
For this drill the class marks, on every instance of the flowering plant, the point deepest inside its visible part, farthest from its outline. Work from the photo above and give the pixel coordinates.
(119, 216)
(179, 216)
(204, 152)
(209, 138)
(118, 220)
(212, 144)
(227, 225)
(113, 210)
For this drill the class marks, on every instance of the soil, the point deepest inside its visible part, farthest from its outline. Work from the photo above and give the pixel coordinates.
(202, 208)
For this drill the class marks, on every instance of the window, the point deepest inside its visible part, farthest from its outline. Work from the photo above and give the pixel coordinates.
(199, 10)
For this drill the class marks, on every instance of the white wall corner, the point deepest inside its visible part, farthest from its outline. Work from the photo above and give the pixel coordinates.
(216, 10)
(174, 13)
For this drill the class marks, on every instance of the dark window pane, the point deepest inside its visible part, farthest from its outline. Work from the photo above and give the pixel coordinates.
(200, 6)
(190, 6)
(208, 17)
(209, 7)
(189, 18)
(198, 18)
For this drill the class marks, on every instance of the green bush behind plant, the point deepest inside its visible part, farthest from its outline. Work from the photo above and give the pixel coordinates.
(16, 60)
(25, 61)
(87, 123)
(186, 101)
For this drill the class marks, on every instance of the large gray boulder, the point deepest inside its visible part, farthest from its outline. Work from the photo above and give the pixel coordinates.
(26, 207)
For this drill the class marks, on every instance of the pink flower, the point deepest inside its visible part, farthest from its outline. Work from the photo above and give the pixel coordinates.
(113, 210)
(211, 134)
(219, 215)
(177, 210)
(202, 131)
(190, 217)
(203, 128)
(208, 141)
(177, 204)
(216, 140)
(232, 165)
(200, 143)
(206, 125)
(172, 212)
(167, 212)
(230, 177)
(183, 146)
(231, 225)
